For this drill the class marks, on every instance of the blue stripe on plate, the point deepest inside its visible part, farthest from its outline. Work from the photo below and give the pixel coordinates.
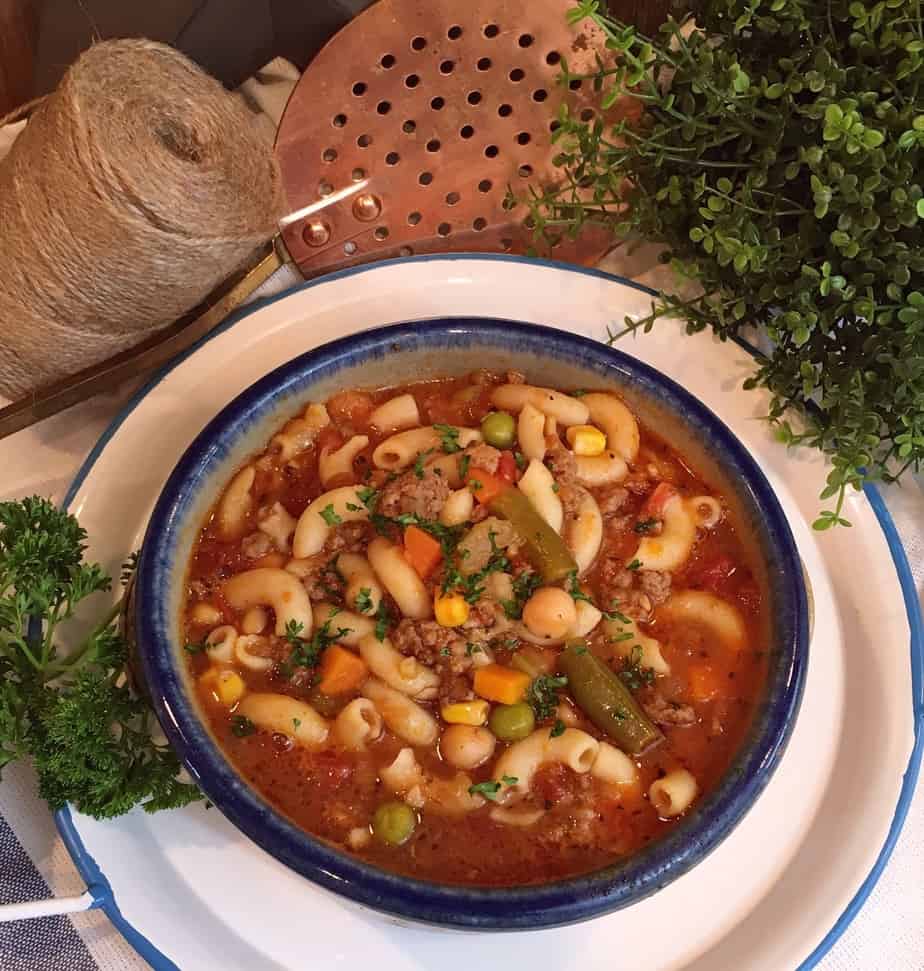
(94, 877)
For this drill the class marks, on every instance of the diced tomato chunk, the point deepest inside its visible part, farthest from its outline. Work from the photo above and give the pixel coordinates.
(507, 467)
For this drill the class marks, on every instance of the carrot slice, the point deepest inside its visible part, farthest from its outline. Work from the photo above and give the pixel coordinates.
(484, 485)
(704, 683)
(507, 467)
(501, 684)
(422, 551)
(341, 671)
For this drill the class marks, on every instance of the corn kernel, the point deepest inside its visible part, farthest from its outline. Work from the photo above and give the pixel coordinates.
(465, 712)
(229, 688)
(450, 611)
(586, 440)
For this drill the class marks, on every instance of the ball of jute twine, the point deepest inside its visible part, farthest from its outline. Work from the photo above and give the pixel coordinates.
(136, 188)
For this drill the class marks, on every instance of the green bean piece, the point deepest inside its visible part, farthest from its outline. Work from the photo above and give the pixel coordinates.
(499, 429)
(544, 548)
(510, 723)
(393, 823)
(606, 701)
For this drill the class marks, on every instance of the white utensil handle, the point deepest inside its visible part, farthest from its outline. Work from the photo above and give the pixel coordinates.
(51, 907)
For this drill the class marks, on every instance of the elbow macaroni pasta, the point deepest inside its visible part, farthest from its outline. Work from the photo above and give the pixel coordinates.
(288, 716)
(300, 433)
(236, 504)
(617, 423)
(404, 674)
(397, 452)
(562, 407)
(396, 414)
(271, 587)
(338, 465)
(708, 610)
(573, 748)
(531, 432)
(404, 717)
(672, 548)
(537, 484)
(361, 582)
(400, 579)
(584, 532)
(600, 470)
(358, 724)
(278, 525)
(674, 794)
(342, 505)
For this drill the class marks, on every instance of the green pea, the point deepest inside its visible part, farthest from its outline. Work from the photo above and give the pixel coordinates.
(510, 723)
(394, 822)
(499, 429)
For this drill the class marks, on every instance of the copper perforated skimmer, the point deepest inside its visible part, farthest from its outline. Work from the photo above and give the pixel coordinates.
(439, 110)
(406, 134)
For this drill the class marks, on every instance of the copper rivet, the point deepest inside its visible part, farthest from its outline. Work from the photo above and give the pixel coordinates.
(316, 233)
(367, 207)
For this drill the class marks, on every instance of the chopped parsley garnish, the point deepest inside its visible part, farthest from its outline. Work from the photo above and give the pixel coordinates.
(578, 394)
(449, 438)
(296, 723)
(633, 675)
(625, 635)
(242, 726)
(520, 460)
(364, 600)
(471, 649)
(490, 788)
(574, 588)
(580, 650)
(419, 462)
(306, 653)
(447, 536)
(476, 485)
(383, 620)
(615, 614)
(556, 487)
(634, 565)
(353, 507)
(445, 652)
(195, 648)
(368, 496)
(464, 462)
(646, 525)
(525, 585)
(329, 516)
(557, 729)
(542, 694)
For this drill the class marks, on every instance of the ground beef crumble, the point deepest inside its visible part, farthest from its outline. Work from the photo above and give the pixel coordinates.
(423, 497)
(665, 712)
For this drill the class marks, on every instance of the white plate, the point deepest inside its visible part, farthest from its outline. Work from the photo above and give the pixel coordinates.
(189, 891)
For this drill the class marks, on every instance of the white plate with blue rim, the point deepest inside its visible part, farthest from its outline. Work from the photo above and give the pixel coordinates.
(189, 891)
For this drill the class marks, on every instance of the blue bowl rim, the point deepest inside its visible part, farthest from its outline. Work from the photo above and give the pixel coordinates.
(545, 905)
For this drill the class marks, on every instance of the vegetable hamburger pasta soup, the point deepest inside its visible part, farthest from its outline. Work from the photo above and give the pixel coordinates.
(476, 630)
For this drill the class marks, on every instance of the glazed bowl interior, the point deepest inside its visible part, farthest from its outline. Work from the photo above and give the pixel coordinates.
(403, 353)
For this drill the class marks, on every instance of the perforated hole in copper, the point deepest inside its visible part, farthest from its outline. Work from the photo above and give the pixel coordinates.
(433, 145)
(411, 81)
(517, 74)
(418, 43)
(338, 121)
(358, 174)
(525, 171)
(349, 247)
(491, 151)
(388, 61)
(484, 185)
(405, 251)
(506, 244)
(444, 229)
(364, 141)
(454, 32)
(437, 103)
(383, 107)
(452, 198)
(392, 158)
(466, 131)
(491, 30)
(425, 178)
(479, 224)
(359, 88)
(329, 155)
(505, 111)
(552, 58)
(474, 98)
(381, 232)
(409, 127)
(523, 138)
(525, 40)
(575, 85)
(413, 218)
(483, 63)
(325, 189)
(540, 94)
(587, 114)
(446, 67)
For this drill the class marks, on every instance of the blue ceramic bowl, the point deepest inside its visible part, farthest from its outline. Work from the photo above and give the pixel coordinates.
(389, 356)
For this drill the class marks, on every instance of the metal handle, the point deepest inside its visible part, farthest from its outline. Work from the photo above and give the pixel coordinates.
(50, 907)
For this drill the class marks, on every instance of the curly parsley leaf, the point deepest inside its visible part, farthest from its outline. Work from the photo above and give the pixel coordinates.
(449, 438)
(542, 694)
(329, 515)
